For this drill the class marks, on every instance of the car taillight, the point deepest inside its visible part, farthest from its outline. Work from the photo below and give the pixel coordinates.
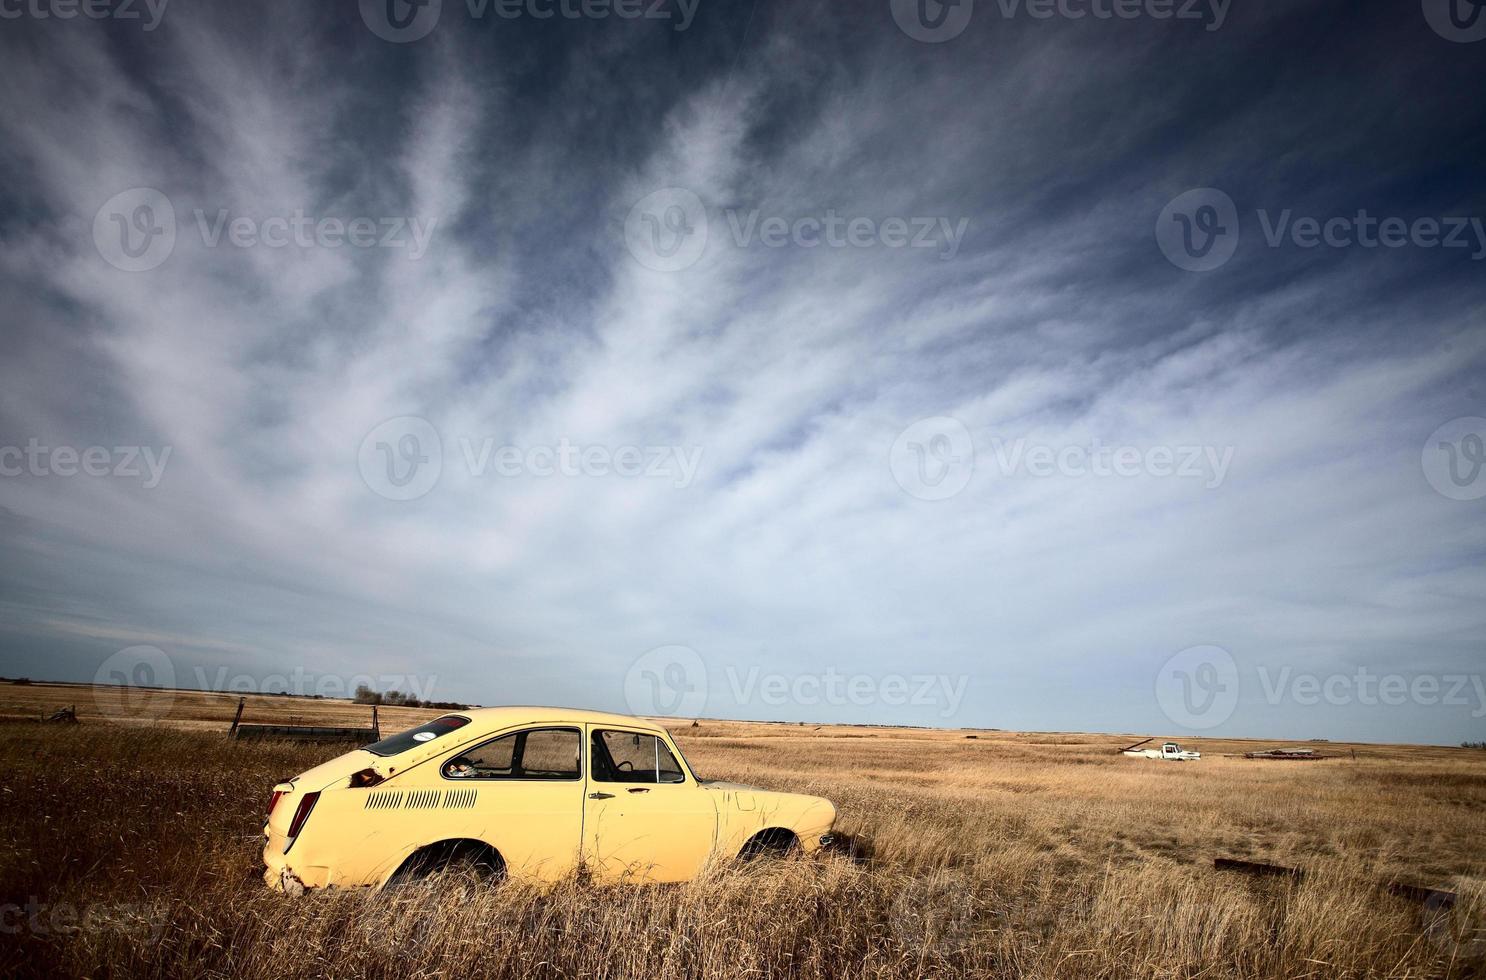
(273, 800)
(302, 814)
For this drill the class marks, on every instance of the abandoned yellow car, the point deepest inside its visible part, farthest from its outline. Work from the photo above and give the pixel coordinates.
(534, 793)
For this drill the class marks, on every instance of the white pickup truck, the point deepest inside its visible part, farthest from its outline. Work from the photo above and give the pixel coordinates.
(1168, 750)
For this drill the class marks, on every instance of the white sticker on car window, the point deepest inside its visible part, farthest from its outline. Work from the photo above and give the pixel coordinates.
(423, 736)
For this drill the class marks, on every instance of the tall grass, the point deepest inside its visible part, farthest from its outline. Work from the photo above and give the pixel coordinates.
(134, 852)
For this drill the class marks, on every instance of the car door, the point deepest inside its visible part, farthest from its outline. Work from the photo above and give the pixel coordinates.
(522, 792)
(644, 817)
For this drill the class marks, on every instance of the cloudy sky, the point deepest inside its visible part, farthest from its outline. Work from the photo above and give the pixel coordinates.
(814, 361)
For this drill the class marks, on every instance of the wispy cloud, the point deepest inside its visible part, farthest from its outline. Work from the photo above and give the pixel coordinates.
(789, 370)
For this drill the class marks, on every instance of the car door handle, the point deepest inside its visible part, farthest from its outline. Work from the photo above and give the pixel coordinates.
(601, 796)
(639, 789)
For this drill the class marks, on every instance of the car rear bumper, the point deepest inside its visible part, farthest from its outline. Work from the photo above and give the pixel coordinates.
(282, 876)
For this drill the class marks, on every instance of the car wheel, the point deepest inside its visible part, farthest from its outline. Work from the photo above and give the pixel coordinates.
(473, 860)
(772, 843)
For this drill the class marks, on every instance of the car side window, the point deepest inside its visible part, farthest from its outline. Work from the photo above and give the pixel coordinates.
(629, 757)
(538, 753)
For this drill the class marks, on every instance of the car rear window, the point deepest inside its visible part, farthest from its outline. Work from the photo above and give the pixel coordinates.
(403, 741)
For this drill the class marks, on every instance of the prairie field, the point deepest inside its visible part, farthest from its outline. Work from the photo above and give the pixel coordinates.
(131, 848)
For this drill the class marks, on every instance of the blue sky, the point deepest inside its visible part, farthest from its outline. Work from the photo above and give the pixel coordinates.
(785, 339)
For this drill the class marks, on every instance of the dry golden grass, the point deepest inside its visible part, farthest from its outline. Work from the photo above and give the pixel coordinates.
(133, 850)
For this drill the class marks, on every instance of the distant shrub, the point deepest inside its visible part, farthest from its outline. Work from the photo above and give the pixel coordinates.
(397, 699)
(21, 680)
(1473, 745)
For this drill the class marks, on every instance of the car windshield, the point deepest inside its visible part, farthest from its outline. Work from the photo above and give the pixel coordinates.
(403, 741)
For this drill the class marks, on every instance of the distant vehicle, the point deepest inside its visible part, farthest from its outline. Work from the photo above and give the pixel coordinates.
(1168, 750)
(533, 793)
(1292, 754)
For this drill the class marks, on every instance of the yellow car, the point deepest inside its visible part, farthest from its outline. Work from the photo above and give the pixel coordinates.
(533, 793)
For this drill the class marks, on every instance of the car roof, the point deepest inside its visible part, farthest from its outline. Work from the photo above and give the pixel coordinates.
(505, 715)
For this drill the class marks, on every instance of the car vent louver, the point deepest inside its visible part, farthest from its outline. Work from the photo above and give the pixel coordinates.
(383, 799)
(421, 799)
(459, 799)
